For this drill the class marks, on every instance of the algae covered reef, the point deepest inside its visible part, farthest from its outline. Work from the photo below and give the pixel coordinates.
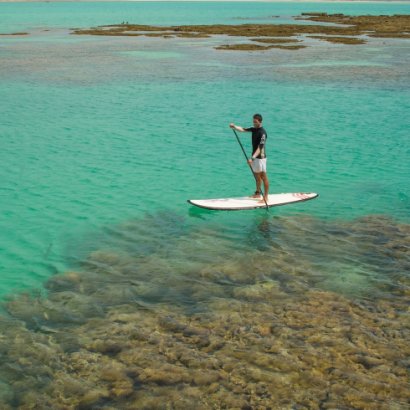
(288, 312)
(340, 29)
(14, 34)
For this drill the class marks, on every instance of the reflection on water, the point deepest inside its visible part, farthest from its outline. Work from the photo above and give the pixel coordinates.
(291, 312)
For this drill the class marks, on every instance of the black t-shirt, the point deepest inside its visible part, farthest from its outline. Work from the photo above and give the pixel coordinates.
(259, 137)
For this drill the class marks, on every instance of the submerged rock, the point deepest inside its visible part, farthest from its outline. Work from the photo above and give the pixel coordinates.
(257, 327)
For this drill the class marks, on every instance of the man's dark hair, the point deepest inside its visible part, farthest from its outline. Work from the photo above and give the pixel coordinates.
(258, 117)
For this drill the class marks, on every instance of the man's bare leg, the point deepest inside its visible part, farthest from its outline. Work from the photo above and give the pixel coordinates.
(258, 180)
(264, 178)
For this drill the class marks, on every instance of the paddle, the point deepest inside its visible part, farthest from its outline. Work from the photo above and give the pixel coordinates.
(250, 166)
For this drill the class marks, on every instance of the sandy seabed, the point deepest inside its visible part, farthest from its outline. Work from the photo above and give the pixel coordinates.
(305, 314)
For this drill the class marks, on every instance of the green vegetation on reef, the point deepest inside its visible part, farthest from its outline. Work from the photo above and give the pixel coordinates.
(343, 30)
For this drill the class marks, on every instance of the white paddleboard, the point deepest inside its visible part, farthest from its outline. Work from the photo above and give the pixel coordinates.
(246, 202)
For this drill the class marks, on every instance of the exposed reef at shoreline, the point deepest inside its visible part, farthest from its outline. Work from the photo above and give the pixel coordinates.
(14, 34)
(340, 40)
(156, 322)
(343, 30)
(257, 47)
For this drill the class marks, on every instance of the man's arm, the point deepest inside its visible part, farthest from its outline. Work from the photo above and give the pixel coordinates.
(256, 153)
(260, 147)
(237, 128)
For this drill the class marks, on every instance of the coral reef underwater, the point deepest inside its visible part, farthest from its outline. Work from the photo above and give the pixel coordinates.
(293, 313)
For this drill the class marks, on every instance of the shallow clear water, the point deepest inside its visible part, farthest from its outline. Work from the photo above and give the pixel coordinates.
(104, 139)
(98, 130)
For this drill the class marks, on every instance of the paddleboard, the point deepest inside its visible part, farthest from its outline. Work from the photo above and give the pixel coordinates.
(246, 202)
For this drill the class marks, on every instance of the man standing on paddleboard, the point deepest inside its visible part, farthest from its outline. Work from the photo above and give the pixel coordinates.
(258, 159)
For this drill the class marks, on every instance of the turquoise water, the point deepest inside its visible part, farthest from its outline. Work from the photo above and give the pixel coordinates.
(98, 130)
(102, 141)
(24, 16)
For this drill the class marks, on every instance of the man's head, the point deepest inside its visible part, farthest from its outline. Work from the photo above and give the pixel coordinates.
(257, 120)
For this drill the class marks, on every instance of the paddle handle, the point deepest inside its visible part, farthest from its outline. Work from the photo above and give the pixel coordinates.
(250, 166)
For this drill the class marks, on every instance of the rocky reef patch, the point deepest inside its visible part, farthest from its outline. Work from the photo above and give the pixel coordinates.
(291, 312)
(339, 28)
(14, 34)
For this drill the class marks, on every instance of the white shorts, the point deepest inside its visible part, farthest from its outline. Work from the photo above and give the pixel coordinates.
(259, 165)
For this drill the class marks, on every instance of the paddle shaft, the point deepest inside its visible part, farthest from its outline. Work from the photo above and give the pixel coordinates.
(250, 166)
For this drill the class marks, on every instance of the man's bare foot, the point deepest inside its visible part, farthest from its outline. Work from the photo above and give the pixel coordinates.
(256, 195)
(264, 200)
